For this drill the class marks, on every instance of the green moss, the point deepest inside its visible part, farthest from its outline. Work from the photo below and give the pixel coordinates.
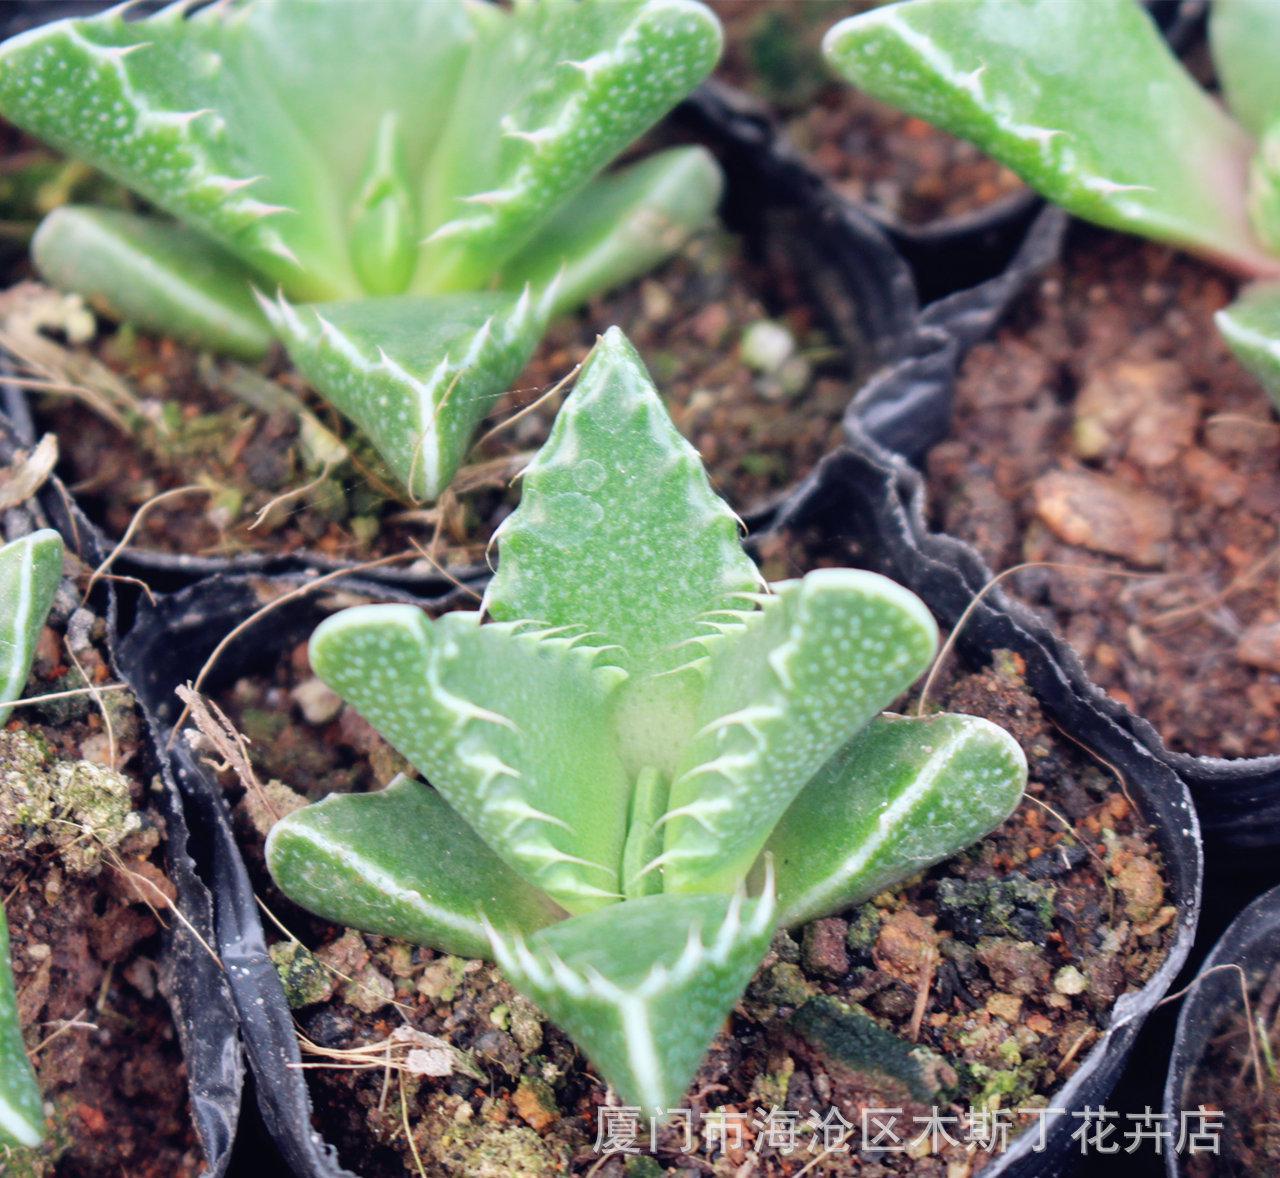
(848, 1037)
(864, 928)
(1011, 1087)
(642, 1166)
(442, 978)
(489, 1151)
(303, 976)
(1013, 906)
(80, 808)
(782, 984)
(261, 726)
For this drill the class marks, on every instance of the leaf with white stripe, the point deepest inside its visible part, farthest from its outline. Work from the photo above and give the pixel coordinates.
(643, 987)
(157, 275)
(508, 721)
(417, 374)
(786, 686)
(1251, 327)
(620, 226)
(30, 569)
(551, 93)
(21, 1107)
(402, 863)
(1084, 100)
(906, 793)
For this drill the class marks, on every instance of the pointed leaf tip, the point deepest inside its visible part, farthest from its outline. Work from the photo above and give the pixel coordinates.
(643, 987)
(21, 1107)
(402, 863)
(906, 793)
(618, 528)
(30, 571)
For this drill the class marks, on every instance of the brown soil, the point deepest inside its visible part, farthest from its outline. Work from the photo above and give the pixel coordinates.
(757, 430)
(874, 154)
(1108, 426)
(83, 886)
(1001, 1021)
(1242, 1083)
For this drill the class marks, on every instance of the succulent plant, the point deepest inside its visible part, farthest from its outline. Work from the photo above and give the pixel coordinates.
(421, 175)
(1086, 102)
(641, 733)
(21, 1108)
(30, 569)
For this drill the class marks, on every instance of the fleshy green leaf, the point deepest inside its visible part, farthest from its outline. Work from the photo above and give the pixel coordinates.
(1244, 36)
(620, 226)
(159, 276)
(1085, 101)
(787, 685)
(21, 1107)
(644, 986)
(508, 722)
(618, 529)
(902, 795)
(551, 94)
(402, 863)
(209, 120)
(1251, 326)
(416, 374)
(30, 569)
(418, 166)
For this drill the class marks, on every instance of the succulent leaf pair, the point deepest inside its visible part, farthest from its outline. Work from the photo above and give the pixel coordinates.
(642, 734)
(1087, 103)
(422, 175)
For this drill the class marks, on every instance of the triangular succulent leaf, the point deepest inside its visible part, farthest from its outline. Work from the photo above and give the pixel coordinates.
(904, 794)
(786, 686)
(643, 987)
(415, 373)
(448, 144)
(209, 120)
(30, 570)
(1085, 101)
(1251, 326)
(618, 529)
(570, 85)
(21, 1106)
(402, 862)
(1243, 36)
(620, 226)
(157, 275)
(509, 722)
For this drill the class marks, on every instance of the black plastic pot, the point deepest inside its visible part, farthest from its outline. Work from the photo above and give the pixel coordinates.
(166, 646)
(193, 983)
(1252, 942)
(855, 279)
(850, 494)
(872, 499)
(953, 253)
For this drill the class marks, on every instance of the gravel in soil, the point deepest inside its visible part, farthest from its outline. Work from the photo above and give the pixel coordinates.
(756, 387)
(81, 872)
(901, 166)
(981, 983)
(1108, 427)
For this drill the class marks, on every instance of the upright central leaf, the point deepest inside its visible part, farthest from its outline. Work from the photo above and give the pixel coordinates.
(618, 529)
